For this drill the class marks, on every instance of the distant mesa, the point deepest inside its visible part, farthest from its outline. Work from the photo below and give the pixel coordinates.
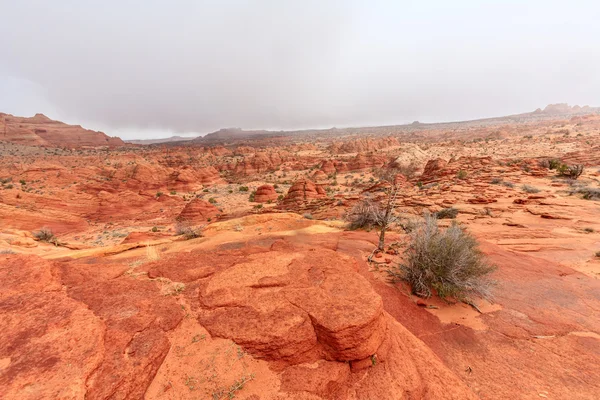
(563, 109)
(40, 130)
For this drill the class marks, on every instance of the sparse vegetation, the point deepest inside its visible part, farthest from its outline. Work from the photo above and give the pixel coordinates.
(530, 189)
(158, 194)
(243, 188)
(447, 261)
(462, 174)
(46, 235)
(508, 184)
(586, 192)
(447, 213)
(189, 232)
(365, 214)
(307, 215)
(570, 171)
(212, 200)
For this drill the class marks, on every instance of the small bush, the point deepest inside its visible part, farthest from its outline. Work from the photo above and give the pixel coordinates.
(46, 235)
(212, 200)
(530, 189)
(280, 197)
(251, 197)
(365, 214)
(570, 171)
(447, 213)
(587, 193)
(154, 229)
(447, 261)
(158, 194)
(243, 188)
(462, 174)
(173, 193)
(508, 184)
(496, 181)
(307, 215)
(189, 232)
(588, 230)
(549, 163)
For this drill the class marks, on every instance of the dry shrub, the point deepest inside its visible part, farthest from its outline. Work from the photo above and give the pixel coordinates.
(189, 232)
(448, 261)
(365, 214)
(530, 189)
(447, 213)
(44, 235)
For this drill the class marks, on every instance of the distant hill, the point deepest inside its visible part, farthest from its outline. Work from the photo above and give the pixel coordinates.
(171, 139)
(552, 111)
(42, 131)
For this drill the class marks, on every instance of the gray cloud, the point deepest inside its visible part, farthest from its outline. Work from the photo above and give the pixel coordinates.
(147, 68)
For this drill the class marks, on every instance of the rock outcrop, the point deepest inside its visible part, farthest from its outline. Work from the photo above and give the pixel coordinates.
(197, 211)
(42, 131)
(265, 193)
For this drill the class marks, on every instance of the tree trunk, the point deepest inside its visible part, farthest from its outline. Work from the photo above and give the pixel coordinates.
(381, 245)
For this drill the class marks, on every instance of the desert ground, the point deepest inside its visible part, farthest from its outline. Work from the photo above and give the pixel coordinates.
(224, 267)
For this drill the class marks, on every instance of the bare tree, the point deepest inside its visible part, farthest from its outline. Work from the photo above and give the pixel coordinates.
(388, 217)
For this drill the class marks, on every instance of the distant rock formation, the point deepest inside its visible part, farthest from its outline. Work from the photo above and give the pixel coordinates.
(42, 131)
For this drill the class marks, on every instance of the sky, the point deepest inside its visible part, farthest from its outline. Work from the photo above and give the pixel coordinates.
(149, 69)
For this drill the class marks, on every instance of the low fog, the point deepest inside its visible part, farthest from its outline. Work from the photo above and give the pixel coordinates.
(142, 69)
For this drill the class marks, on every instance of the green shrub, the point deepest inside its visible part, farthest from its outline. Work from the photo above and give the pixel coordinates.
(154, 229)
(462, 174)
(158, 194)
(212, 200)
(243, 188)
(307, 215)
(570, 171)
(251, 197)
(447, 261)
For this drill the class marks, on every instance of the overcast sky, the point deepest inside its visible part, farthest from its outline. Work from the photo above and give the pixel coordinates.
(143, 69)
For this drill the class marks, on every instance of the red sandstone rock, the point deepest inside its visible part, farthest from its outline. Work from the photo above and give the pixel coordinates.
(41, 130)
(265, 193)
(197, 211)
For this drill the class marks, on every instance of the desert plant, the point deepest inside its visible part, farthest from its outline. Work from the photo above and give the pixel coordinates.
(570, 171)
(588, 193)
(447, 213)
(365, 214)
(251, 197)
(598, 253)
(243, 188)
(508, 184)
(530, 189)
(189, 232)
(212, 200)
(44, 235)
(462, 174)
(447, 261)
(496, 181)
(307, 215)
(158, 194)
